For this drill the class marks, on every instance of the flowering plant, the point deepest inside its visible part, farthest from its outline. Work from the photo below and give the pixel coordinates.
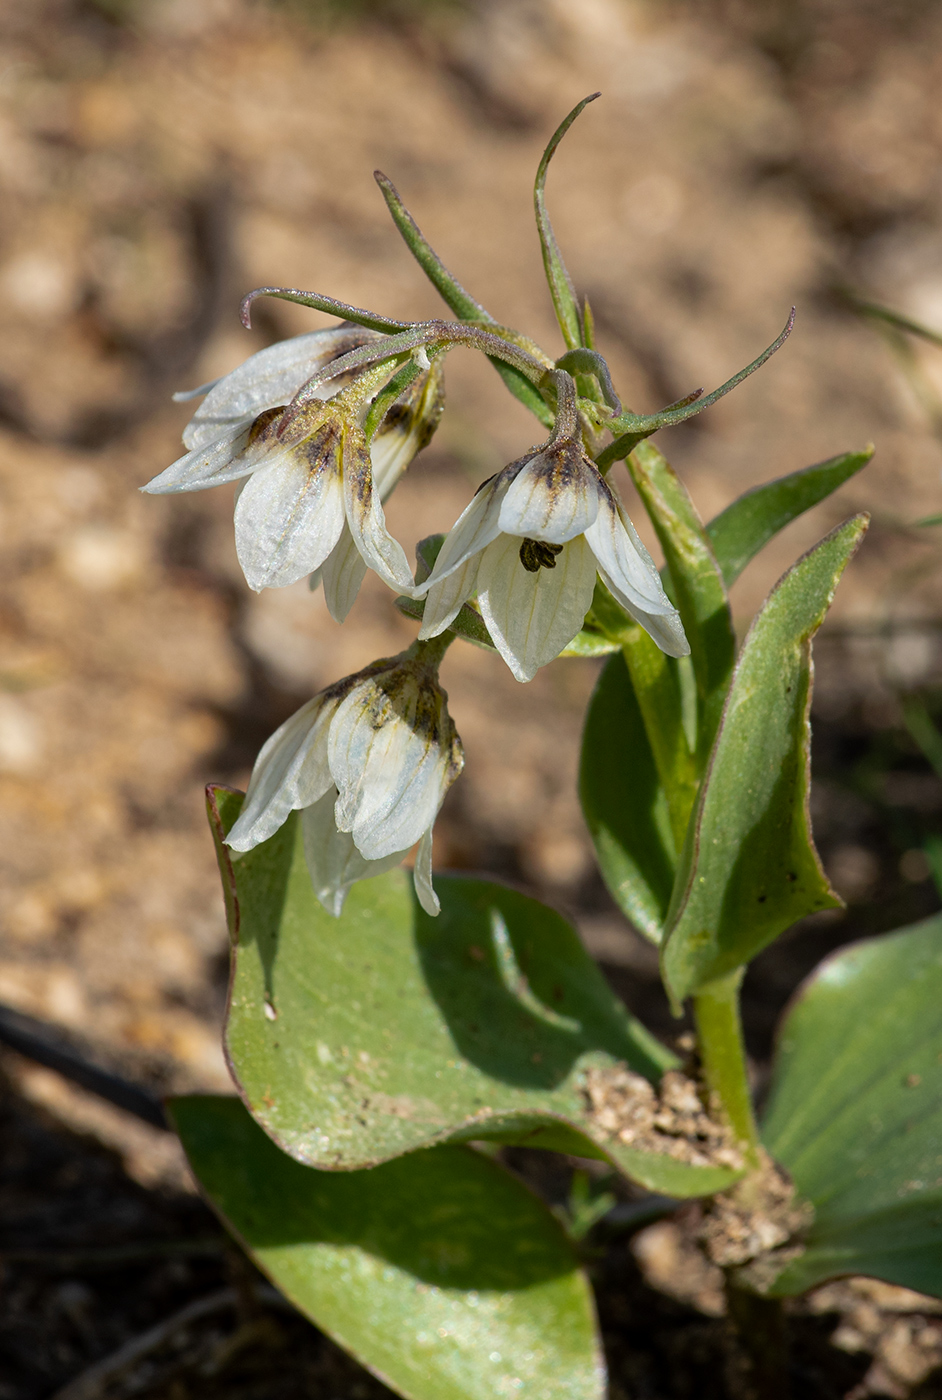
(387, 1039)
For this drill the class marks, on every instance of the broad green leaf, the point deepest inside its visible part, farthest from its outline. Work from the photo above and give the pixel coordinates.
(740, 531)
(749, 868)
(440, 1272)
(697, 581)
(357, 1039)
(855, 1112)
(625, 806)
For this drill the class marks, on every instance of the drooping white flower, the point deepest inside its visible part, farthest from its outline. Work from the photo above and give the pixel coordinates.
(367, 762)
(312, 501)
(530, 545)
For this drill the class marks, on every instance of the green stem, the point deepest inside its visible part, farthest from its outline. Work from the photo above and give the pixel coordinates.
(719, 1033)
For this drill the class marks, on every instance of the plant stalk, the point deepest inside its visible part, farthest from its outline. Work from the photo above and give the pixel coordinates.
(759, 1327)
(723, 1056)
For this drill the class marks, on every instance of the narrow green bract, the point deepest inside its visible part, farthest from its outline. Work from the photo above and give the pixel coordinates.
(739, 532)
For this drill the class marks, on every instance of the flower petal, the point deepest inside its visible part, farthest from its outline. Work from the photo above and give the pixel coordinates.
(620, 551)
(422, 877)
(341, 574)
(364, 514)
(332, 859)
(290, 514)
(212, 465)
(270, 378)
(664, 628)
(393, 754)
(446, 598)
(291, 771)
(476, 527)
(407, 428)
(532, 616)
(554, 497)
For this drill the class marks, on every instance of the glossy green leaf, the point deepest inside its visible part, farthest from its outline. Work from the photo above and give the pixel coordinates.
(855, 1112)
(749, 868)
(624, 803)
(700, 593)
(440, 1272)
(354, 1040)
(740, 531)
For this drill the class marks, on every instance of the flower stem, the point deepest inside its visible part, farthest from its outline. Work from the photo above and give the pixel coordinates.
(429, 653)
(719, 1033)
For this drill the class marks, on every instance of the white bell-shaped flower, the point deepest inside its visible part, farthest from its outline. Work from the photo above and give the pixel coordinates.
(313, 499)
(368, 762)
(530, 545)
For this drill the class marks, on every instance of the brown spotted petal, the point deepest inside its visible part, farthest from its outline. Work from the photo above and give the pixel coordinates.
(368, 762)
(393, 754)
(271, 378)
(290, 513)
(555, 496)
(364, 514)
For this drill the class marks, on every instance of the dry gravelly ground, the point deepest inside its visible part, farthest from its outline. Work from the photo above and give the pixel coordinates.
(158, 159)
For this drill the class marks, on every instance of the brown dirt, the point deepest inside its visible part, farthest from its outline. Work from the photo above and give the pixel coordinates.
(624, 1107)
(161, 157)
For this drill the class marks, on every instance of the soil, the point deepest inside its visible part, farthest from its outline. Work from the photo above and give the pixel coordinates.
(161, 157)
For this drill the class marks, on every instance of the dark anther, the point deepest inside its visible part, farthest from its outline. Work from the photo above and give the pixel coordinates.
(535, 555)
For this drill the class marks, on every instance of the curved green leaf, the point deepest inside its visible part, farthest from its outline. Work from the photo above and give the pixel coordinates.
(557, 276)
(357, 1039)
(697, 582)
(855, 1112)
(749, 868)
(740, 531)
(624, 804)
(462, 303)
(439, 1272)
(633, 427)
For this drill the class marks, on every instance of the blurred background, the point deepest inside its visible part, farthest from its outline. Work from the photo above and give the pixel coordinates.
(161, 157)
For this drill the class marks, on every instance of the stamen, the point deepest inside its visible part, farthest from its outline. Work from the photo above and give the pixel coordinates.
(537, 554)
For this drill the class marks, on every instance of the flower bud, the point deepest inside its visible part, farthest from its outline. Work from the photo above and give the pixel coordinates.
(368, 762)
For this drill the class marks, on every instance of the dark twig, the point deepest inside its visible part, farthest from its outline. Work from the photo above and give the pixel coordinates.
(44, 1044)
(94, 1382)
